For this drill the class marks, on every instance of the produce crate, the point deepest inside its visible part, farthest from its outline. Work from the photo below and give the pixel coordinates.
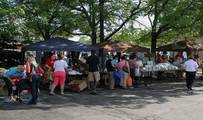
(77, 85)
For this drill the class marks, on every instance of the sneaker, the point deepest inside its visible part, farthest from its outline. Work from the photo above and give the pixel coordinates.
(93, 92)
(14, 98)
(19, 99)
(31, 103)
(51, 94)
(39, 91)
(190, 91)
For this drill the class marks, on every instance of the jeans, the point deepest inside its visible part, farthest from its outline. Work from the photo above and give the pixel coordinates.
(34, 88)
(111, 80)
(124, 78)
(190, 76)
(137, 82)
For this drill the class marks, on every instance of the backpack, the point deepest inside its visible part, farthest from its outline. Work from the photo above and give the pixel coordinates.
(31, 69)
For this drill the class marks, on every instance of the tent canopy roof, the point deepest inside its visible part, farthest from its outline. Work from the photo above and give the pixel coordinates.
(59, 44)
(118, 46)
(182, 45)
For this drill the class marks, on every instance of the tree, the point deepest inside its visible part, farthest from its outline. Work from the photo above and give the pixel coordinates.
(135, 35)
(164, 15)
(9, 27)
(111, 16)
(194, 19)
(46, 18)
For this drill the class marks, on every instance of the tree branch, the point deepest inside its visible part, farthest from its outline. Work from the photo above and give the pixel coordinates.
(85, 12)
(167, 26)
(133, 12)
(148, 15)
(55, 11)
(58, 28)
(162, 29)
(74, 33)
(40, 29)
(142, 24)
(164, 4)
(157, 13)
(37, 22)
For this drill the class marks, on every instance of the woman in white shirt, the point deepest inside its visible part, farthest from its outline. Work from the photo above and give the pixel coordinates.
(59, 74)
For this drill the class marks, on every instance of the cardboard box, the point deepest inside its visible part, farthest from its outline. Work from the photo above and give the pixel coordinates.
(78, 85)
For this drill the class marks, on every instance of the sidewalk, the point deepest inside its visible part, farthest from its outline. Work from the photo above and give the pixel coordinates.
(159, 101)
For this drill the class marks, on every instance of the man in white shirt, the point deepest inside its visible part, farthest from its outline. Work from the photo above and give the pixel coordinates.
(190, 67)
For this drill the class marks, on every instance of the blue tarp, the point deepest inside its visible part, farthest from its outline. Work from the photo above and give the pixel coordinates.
(59, 44)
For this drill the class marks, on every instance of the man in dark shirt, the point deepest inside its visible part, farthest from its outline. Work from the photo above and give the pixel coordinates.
(93, 75)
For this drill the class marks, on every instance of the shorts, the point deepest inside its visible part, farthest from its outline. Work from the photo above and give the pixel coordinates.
(93, 76)
(59, 77)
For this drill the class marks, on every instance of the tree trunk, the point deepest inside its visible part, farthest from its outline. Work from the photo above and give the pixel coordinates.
(101, 20)
(47, 36)
(92, 22)
(153, 43)
(94, 37)
(102, 58)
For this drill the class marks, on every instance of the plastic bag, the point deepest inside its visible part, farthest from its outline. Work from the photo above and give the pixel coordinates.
(117, 74)
(137, 72)
(129, 81)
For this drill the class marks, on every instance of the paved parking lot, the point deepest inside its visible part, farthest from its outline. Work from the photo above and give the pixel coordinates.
(159, 101)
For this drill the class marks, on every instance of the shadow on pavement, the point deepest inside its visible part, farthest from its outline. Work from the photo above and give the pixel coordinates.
(135, 98)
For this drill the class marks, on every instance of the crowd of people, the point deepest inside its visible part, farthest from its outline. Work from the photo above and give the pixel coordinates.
(55, 68)
(122, 71)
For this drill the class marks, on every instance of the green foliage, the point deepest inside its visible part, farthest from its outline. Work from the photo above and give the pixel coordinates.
(9, 29)
(85, 40)
(29, 20)
(137, 36)
(47, 17)
(115, 12)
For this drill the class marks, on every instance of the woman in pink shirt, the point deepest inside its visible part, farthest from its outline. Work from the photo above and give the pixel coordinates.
(123, 65)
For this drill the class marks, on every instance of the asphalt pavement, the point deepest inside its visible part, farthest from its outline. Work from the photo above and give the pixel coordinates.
(158, 101)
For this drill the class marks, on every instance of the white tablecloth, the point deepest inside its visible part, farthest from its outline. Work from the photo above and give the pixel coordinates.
(74, 72)
(160, 67)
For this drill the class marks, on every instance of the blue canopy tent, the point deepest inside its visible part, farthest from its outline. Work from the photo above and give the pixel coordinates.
(59, 44)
